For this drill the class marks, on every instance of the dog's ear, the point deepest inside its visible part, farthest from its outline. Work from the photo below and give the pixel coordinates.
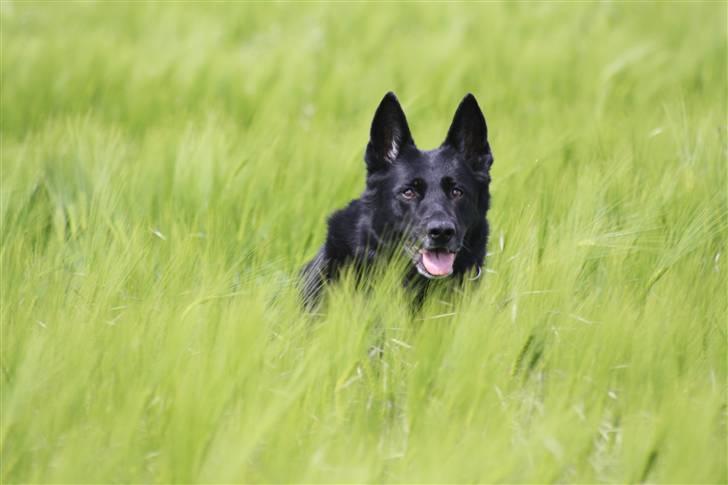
(468, 134)
(389, 134)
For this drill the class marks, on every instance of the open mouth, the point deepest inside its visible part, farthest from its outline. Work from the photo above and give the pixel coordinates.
(435, 263)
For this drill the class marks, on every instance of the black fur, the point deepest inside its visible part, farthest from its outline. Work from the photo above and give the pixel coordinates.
(446, 214)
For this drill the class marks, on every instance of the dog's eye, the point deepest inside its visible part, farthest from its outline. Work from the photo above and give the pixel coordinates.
(409, 194)
(456, 193)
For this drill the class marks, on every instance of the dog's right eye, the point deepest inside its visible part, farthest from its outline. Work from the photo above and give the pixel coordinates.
(409, 194)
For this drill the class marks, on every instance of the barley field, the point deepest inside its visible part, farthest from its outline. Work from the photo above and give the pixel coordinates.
(168, 166)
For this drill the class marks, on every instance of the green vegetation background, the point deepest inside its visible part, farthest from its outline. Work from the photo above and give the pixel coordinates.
(167, 167)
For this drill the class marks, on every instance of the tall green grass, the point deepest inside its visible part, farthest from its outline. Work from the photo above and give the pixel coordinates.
(167, 168)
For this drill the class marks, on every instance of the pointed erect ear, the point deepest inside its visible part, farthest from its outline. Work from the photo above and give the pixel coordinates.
(468, 134)
(389, 134)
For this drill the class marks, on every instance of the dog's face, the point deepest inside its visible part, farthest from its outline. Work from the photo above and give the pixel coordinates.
(428, 200)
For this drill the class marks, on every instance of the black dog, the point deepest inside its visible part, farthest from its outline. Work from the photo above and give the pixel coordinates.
(431, 204)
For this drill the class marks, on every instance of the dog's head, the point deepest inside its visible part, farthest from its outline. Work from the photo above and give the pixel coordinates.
(429, 200)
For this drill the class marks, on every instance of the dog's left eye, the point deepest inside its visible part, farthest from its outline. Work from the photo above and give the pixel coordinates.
(456, 193)
(409, 194)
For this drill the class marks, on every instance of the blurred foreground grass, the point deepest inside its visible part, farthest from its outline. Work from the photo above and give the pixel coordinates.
(166, 168)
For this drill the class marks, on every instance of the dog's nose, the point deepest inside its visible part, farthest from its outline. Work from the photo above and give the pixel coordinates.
(440, 231)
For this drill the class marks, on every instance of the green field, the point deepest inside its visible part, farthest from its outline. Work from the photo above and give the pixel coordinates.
(167, 168)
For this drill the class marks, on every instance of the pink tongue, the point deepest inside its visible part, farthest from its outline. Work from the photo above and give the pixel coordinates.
(438, 263)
